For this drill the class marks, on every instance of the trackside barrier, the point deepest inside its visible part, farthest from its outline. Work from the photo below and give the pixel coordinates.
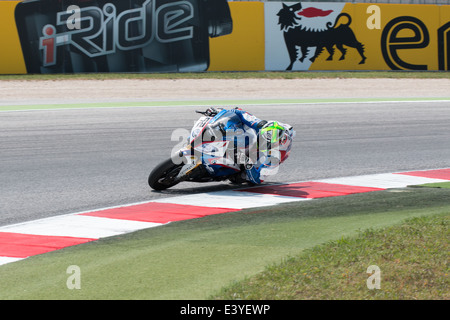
(70, 36)
(357, 36)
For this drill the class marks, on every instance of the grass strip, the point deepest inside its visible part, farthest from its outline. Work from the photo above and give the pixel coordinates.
(236, 75)
(445, 185)
(240, 102)
(196, 258)
(412, 259)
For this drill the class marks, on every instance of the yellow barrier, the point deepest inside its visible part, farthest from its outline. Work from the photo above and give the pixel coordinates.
(393, 37)
(444, 38)
(11, 58)
(243, 49)
(306, 36)
(337, 36)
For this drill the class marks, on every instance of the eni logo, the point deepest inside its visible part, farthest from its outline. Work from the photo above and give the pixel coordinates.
(410, 33)
(392, 41)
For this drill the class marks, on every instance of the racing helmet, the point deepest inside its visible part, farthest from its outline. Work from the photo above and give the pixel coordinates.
(277, 135)
(273, 132)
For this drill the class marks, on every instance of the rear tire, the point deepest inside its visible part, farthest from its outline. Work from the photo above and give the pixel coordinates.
(163, 175)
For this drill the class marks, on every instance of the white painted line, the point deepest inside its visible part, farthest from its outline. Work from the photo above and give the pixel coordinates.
(230, 199)
(79, 226)
(383, 180)
(5, 260)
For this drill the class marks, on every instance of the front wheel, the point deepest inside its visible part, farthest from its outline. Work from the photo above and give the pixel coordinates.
(164, 175)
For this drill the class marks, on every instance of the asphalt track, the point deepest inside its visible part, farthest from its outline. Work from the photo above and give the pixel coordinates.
(70, 160)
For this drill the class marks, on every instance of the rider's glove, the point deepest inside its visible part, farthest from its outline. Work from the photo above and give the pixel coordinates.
(211, 112)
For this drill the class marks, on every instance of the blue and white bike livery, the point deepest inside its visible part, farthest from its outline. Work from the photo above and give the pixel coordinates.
(226, 145)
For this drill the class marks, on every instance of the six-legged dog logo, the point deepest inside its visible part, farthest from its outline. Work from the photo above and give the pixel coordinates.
(297, 34)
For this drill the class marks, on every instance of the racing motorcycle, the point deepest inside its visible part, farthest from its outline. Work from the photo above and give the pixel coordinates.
(209, 154)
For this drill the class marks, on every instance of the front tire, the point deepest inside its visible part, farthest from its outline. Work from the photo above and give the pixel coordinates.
(164, 175)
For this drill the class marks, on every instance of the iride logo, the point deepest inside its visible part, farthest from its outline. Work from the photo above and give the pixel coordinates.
(98, 32)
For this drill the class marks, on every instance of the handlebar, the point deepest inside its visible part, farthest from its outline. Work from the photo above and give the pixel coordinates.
(210, 112)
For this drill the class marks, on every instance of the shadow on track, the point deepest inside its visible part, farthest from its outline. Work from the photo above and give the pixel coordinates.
(210, 187)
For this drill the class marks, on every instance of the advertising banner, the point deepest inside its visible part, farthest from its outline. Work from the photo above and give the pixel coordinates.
(82, 36)
(350, 36)
(11, 58)
(243, 49)
(444, 38)
(65, 36)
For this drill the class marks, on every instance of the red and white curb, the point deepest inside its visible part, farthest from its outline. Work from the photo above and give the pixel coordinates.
(23, 240)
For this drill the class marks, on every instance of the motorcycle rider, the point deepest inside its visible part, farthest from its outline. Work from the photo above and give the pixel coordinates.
(266, 144)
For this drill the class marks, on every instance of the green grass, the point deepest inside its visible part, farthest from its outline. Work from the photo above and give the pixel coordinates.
(195, 259)
(230, 102)
(412, 259)
(445, 185)
(236, 75)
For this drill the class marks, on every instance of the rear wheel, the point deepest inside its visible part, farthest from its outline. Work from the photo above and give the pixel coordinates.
(164, 175)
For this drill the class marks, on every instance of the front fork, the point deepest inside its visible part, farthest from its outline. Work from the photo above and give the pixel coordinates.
(190, 160)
